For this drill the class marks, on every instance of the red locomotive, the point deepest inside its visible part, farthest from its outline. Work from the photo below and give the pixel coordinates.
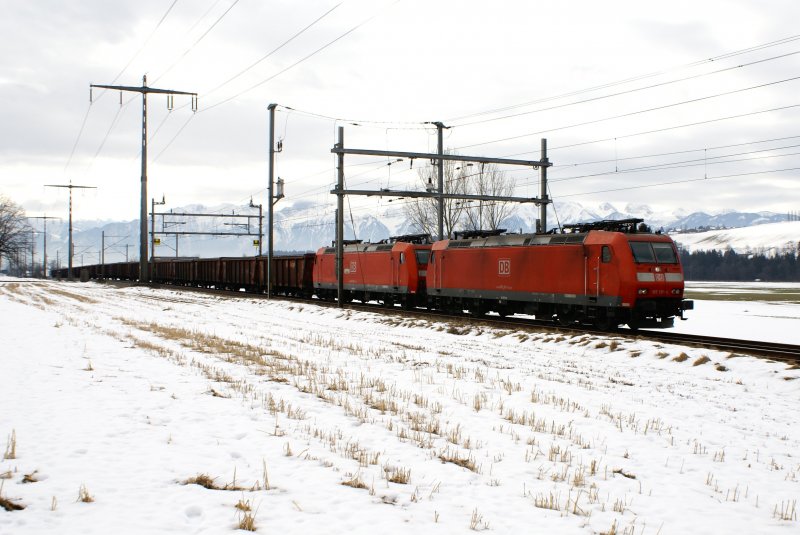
(605, 273)
(391, 271)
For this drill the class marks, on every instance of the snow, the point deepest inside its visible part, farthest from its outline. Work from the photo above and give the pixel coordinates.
(767, 239)
(753, 314)
(130, 391)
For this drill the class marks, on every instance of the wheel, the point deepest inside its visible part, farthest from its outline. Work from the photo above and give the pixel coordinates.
(603, 323)
(565, 316)
(476, 312)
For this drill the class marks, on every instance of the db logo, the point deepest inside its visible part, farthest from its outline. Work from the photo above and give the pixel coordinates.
(352, 267)
(504, 267)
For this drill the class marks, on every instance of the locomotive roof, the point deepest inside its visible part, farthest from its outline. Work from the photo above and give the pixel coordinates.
(522, 240)
(369, 247)
(508, 240)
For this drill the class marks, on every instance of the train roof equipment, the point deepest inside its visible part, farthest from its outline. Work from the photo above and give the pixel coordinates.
(626, 226)
(419, 239)
(470, 234)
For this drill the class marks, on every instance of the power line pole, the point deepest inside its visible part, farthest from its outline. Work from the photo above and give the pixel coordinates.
(45, 218)
(440, 169)
(69, 245)
(543, 191)
(33, 249)
(144, 90)
(270, 201)
(340, 218)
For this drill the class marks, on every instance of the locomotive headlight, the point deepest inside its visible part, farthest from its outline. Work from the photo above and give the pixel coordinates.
(642, 291)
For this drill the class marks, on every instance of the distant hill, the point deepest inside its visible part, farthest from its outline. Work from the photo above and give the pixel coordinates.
(767, 239)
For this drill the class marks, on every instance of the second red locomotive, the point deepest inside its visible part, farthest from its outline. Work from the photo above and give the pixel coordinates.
(391, 271)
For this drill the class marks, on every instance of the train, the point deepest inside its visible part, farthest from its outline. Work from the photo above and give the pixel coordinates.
(604, 274)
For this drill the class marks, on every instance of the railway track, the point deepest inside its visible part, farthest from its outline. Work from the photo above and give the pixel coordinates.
(788, 353)
(775, 351)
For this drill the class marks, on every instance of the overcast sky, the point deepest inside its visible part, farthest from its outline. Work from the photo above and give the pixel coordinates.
(582, 74)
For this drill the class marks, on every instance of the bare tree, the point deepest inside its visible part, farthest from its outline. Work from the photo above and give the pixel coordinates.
(13, 229)
(423, 212)
(489, 215)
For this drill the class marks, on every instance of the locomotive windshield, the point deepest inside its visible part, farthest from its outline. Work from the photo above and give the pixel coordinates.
(653, 252)
(422, 256)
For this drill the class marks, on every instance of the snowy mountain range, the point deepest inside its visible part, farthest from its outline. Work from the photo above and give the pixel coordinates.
(304, 226)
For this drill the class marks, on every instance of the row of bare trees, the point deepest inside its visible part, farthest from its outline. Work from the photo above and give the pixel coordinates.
(14, 233)
(462, 179)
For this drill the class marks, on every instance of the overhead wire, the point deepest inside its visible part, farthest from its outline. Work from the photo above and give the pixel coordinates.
(682, 164)
(417, 125)
(684, 181)
(665, 129)
(146, 42)
(301, 60)
(88, 109)
(273, 51)
(717, 58)
(619, 93)
(190, 48)
(630, 114)
(305, 58)
(674, 152)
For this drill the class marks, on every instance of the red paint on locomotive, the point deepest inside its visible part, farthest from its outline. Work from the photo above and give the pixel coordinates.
(601, 277)
(392, 273)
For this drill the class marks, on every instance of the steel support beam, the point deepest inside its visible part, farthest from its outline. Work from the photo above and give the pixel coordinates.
(434, 194)
(193, 233)
(433, 156)
(179, 214)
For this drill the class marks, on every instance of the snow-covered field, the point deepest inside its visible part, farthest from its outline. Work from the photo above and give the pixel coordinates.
(328, 421)
(747, 310)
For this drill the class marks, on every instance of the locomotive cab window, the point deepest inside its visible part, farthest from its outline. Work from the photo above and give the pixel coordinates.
(642, 252)
(402, 258)
(606, 254)
(665, 254)
(655, 252)
(422, 257)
